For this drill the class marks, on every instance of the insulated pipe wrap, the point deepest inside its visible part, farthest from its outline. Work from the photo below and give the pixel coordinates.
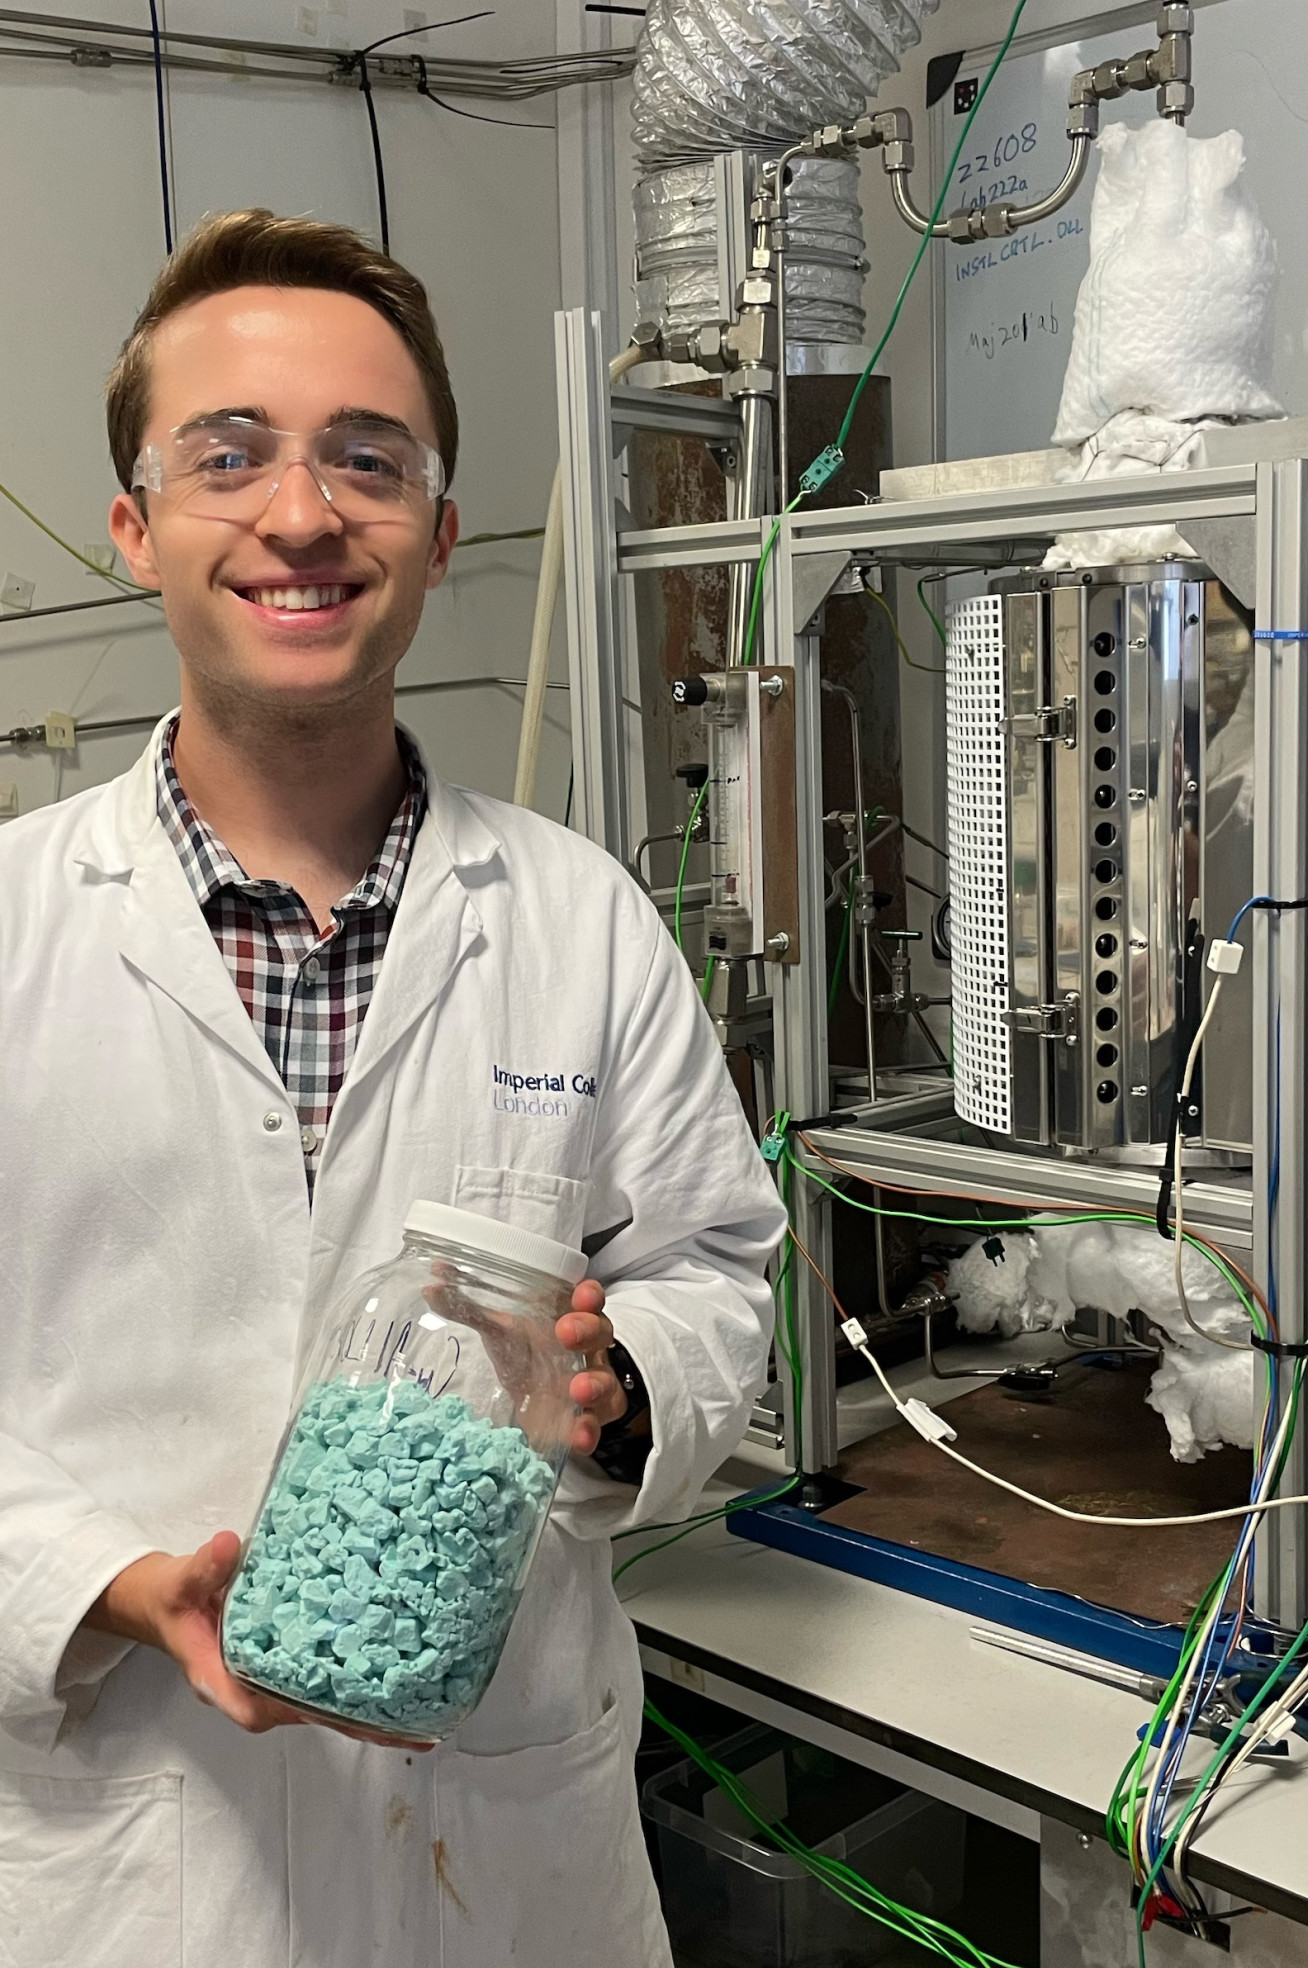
(677, 248)
(760, 74)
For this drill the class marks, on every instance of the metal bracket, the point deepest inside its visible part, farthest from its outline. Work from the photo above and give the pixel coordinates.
(815, 578)
(1047, 724)
(1047, 1021)
(1230, 549)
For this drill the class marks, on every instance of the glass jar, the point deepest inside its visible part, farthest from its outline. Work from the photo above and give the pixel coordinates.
(428, 1432)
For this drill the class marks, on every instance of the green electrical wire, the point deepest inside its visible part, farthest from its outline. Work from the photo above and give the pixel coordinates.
(841, 948)
(709, 969)
(891, 325)
(1046, 1220)
(1132, 1788)
(936, 622)
(491, 539)
(929, 669)
(771, 541)
(115, 580)
(681, 870)
(936, 210)
(839, 1878)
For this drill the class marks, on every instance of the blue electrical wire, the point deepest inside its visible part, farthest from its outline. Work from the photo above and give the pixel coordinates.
(1254, 902)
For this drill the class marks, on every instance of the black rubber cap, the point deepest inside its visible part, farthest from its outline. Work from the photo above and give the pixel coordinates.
(690, 690)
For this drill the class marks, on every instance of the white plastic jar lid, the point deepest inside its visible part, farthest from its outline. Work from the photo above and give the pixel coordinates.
(495, 1239)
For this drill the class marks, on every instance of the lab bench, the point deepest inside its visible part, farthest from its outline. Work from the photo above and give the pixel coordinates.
(898, 1684)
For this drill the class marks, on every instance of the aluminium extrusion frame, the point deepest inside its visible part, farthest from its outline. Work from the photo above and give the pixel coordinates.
(902, 1142)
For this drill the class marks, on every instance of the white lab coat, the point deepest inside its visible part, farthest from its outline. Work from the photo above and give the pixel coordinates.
(157, 1254)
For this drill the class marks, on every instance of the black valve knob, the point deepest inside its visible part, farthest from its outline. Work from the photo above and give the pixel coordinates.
(689, 690)
(693, 775)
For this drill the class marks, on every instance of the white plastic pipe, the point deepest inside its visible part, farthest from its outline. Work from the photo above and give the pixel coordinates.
(547, 594)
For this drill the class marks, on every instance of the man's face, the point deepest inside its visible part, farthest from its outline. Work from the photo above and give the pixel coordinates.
(297, 358)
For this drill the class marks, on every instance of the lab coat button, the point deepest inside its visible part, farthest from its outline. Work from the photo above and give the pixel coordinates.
(272, 1122)
(311, 969)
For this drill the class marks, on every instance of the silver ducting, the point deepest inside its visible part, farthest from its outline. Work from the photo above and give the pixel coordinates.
(759, 74)
(677, 250)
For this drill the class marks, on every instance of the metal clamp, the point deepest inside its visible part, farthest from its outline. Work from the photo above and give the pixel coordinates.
(1047, 724)
(1047, 1021)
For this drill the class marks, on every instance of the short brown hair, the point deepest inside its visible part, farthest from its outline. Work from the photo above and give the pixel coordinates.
(257, 249)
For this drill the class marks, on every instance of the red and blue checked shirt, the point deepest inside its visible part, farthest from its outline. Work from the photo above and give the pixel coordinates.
(306, 991)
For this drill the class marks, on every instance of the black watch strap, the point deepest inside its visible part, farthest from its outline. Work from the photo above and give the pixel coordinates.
(620, 1454)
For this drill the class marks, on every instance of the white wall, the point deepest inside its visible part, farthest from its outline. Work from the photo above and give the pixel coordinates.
(473, 211)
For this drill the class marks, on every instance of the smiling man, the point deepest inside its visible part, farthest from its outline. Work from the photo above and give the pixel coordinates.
(259, 995)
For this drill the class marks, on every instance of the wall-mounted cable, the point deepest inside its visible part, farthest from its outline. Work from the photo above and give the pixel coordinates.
(161, 113)
(365, 84)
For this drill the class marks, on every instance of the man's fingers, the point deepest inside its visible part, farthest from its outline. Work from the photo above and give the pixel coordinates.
(585, 1434)
(584, 1332)
(588, 1297)
(210, 1568)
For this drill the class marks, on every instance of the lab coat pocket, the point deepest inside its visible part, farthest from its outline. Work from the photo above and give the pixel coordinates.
(547, 1205)
(540, 1858)
(91, 1871)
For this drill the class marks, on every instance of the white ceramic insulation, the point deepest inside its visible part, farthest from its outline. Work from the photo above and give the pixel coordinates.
(1205, 1393)
(760, 74)
(1174, 321)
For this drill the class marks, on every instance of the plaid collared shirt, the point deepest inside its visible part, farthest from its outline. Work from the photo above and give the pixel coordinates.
(306, 993)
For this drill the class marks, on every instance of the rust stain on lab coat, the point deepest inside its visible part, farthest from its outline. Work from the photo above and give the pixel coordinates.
(398, 1814)
(443, 1879)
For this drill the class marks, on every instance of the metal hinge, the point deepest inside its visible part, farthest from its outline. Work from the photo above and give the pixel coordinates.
(1047, 1021)
(1047, 723)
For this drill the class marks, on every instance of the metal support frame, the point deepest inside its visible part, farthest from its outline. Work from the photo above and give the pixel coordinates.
(1280, 950)
(904, 1141)
(799, 997)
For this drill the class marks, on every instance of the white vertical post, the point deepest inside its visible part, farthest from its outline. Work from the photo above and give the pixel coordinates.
(590, 572)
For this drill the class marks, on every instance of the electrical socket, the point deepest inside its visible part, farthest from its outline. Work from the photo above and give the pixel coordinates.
(17, 593)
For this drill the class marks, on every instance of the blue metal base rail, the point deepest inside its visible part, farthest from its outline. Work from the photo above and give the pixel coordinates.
(1057, 1616)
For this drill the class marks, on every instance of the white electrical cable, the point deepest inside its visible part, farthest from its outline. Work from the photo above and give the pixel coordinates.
(933, 1428)
(1271, 1724)
(547, 589)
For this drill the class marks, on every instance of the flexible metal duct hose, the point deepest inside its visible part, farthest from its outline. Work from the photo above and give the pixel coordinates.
(677, 246)
(759, 74)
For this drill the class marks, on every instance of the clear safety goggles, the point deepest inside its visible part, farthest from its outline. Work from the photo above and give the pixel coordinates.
(230, 467)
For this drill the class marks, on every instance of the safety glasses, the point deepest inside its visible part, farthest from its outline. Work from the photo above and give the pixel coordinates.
(227, 467)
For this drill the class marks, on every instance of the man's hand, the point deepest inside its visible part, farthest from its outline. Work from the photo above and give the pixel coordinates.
(585, 1329)
(175, 1604)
